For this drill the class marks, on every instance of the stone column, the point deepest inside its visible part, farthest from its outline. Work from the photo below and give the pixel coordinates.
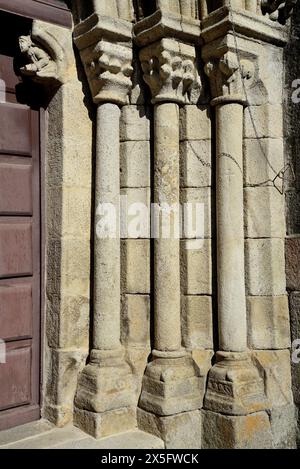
(171, 392)
(234, 386)
(167, 324)
(106, 319)
(104, 399)
(230, 225)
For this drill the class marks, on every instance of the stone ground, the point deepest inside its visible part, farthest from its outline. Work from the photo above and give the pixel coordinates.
(43, 435)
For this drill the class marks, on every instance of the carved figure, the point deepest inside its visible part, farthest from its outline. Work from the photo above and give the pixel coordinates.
(40, 64)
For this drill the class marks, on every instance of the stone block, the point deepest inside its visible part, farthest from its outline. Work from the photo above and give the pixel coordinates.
(201, 196)
(283, 427)
(263, 160)
(264, 213)
(180, 431)
(268, 322)
(135, 255)
(195, 123)
(265, 267)
(292, 262)
(135, 164)
(230, 432)
(197, 328)
(136, 320)
(61, 375)
(135, 219)
(69, 211)
(196, 269)
(135, 123)
(268, 121)
(100, 425)
(65, 271)
(195, 163)
(275, 368)
(68, 319)
(69, 142)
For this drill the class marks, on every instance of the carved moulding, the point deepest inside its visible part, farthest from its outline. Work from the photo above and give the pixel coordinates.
(49, 53)
(106, 52)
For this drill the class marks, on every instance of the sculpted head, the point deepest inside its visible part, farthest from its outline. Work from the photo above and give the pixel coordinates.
(25, 43)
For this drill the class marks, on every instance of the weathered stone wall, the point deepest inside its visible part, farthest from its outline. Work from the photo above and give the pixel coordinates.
(292, 188)
(267, 302)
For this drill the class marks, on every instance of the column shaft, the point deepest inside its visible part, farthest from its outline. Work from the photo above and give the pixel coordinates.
(106, 330)
(230, 228)
(167, 251)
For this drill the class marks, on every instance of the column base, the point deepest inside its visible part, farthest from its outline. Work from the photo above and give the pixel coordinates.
(105, 389)
(180, 431)
(234, 386)
(171, 384)
(236, 432)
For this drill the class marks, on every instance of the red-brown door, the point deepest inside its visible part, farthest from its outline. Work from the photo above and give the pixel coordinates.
(19, 254)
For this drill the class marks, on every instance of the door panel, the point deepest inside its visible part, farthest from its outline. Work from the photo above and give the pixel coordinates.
(15, 188)
(16, 321)
(19, 246)
(15, 129)
(16, 376)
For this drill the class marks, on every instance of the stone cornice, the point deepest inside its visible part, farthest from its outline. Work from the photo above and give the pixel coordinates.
(95, 26)
(105, 45)
(244, 23)
(166, 24)
(170, 71)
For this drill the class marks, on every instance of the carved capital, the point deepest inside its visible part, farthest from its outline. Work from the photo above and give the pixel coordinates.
(48, 51)
(170, 71)
(230, 76)
(109, 69)
(278, 10)
(106, 52)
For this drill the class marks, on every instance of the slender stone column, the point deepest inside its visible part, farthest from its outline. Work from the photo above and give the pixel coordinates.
(171, 391)
(106, 327)
(230, 227)
(104, 399)
(167, 334)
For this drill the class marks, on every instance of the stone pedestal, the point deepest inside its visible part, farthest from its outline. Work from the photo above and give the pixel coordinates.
(236, 432)
(234, 386)
(104, 399)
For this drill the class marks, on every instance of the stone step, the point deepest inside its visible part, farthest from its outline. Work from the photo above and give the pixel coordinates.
(43, 435)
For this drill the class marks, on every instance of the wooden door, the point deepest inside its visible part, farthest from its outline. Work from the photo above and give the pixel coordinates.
(19, 246)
